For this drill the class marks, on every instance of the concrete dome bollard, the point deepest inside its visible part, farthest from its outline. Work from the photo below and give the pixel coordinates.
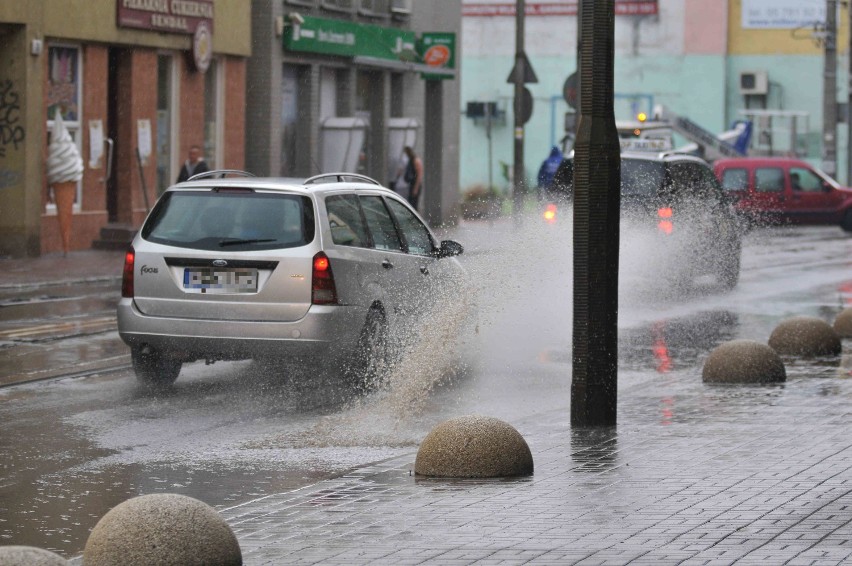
(163, 528)
(29, 556)
(805, 336)
(473, 447)
(843, 323)
(743, 361)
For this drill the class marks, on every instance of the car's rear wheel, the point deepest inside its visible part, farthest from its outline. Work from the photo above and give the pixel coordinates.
(153, 369)
(369, 367)
(846, 223)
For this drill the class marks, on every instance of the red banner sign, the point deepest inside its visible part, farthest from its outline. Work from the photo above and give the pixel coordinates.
(174, 16)
(569, 8)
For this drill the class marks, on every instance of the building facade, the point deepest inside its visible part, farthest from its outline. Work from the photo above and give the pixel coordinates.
(690, 56)
(137, 83)
(344, 85)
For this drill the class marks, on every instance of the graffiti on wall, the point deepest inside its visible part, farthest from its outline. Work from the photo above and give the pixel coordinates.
(11, 131)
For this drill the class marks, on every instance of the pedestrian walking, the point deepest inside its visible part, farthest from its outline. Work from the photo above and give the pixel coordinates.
(547, 172)
(413, 175)
(194, 165)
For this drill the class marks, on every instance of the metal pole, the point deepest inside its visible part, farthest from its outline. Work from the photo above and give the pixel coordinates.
(848, 108)
(597, 203)
(518, 163)
(829, 95)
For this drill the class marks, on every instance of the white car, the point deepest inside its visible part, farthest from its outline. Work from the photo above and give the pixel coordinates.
(237, 268)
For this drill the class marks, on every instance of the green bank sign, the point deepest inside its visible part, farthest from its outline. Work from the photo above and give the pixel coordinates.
(350, 39)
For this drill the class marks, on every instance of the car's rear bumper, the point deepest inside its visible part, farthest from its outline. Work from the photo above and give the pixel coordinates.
(324, 330)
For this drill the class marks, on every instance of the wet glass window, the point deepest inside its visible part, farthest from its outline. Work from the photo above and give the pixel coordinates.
(375, 7)
(233, 220)
(340, 5)
(415, 233)
(735, 179)
(380, 224)
(769, 180)
(345, 221)
(805, 180)
(641, 178)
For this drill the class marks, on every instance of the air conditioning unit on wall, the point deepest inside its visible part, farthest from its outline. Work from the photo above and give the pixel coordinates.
(754, 82)
(401, 7)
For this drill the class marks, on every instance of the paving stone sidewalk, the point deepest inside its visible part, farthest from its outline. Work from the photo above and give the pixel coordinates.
(693, 474)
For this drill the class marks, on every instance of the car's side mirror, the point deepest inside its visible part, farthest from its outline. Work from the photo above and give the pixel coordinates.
(449, 248)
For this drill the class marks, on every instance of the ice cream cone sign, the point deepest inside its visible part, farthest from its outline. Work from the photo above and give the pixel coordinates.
(64, 170)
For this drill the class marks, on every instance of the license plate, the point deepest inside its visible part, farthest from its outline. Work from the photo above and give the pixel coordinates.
(237, 280)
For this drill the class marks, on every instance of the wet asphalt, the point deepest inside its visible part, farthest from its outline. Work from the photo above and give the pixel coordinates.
(307, 473)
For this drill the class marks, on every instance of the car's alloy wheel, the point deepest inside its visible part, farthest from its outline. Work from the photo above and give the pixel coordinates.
(153, 369)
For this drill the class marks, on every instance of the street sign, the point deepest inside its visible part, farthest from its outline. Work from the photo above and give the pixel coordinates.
(527, 70)
(569, 90)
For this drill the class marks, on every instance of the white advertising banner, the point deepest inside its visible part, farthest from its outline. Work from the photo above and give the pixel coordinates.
(782, 14)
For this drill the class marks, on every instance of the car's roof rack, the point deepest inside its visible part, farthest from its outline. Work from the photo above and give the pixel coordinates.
(340, 178)
(220, 173)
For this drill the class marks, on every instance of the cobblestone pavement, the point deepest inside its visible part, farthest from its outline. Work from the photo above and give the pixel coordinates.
(692, 474)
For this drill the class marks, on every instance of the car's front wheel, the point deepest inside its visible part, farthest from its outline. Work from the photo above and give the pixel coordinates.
(153, 369)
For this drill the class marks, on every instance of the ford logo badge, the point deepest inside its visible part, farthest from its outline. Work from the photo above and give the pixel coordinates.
(219, 263)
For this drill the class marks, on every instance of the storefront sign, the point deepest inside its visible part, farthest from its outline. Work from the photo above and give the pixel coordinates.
(566, 8)
(202, 47)
(782, 14)
(349, 39)
(175, 16)
(437, 50)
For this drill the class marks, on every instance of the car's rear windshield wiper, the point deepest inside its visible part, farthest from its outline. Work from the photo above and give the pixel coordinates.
(224, 243)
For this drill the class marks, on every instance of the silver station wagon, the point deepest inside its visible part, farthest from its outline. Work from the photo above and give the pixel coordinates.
(228, 268)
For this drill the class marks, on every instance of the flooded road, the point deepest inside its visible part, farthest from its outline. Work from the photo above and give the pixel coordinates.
(73, 448)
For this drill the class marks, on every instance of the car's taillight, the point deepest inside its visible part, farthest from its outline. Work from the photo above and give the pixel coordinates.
(665, 224)
(550, 213)
(127, 275)
(323, 291)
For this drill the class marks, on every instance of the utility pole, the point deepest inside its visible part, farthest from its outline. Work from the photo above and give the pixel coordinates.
(597, 204)
(829, 93)
(849, 106)
(518, 188)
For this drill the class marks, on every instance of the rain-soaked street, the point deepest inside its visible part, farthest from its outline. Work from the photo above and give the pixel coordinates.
(232, 432)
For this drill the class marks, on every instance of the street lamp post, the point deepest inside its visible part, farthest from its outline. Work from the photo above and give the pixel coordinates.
(829, 94)
(597, 203)
(518, 188)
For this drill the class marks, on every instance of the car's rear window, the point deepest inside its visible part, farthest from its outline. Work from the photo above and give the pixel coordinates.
(231, 220)
(641, 178)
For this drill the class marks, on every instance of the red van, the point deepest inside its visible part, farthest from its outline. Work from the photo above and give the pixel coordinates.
(785, 190)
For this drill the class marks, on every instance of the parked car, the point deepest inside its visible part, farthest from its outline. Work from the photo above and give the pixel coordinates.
(676, 198)
(784, 190)
(238, 268)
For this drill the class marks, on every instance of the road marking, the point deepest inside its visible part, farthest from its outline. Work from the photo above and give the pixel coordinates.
(59, 328)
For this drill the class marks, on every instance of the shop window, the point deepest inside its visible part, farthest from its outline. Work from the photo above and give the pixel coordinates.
(338, 5)
(213, 111)
(165, 121)
(328, 93)
(64, 93)
(397, 86)
(379, 8)
(289, 119)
